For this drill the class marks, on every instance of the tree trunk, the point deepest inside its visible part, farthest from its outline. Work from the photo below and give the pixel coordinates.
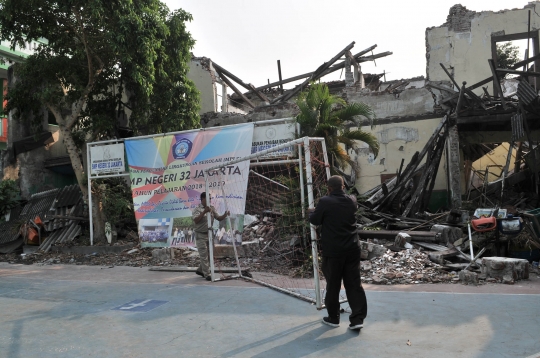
(78, 168)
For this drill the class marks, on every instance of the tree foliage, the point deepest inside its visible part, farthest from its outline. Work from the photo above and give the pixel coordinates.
(96, 53)
(98, 59)
(325, 115)
(507, 55)
(9, 195)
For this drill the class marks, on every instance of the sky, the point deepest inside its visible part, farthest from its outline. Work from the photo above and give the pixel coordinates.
(247, 37)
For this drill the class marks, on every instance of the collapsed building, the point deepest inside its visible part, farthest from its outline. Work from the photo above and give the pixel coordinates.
(446, 137)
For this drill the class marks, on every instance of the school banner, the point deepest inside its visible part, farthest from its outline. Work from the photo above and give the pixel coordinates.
(167, 172)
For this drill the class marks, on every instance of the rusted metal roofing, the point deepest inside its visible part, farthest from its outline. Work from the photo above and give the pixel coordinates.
(48, 204)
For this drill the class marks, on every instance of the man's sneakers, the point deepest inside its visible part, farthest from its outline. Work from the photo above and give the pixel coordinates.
(356, 327)
(208, 278)
(199, 273)
(330, 322)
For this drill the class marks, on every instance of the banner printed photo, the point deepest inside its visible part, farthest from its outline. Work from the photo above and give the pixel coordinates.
(167, 172)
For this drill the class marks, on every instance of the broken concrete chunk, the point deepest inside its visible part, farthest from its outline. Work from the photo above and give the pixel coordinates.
(498, 267)
(468, 277)
(508, 280)
(163, 254)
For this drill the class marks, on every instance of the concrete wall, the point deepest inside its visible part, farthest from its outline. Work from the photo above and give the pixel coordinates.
(205, 83)
(410, 102)
(463, 43)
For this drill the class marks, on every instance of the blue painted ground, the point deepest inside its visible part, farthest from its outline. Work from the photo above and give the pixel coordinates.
(73, 311)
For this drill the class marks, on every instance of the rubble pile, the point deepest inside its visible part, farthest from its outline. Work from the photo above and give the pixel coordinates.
(410, 266)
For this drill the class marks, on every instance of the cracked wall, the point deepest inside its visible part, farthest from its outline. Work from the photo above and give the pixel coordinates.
(463, 43)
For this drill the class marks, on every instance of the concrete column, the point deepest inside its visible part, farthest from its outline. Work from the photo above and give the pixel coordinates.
(224, 103)
(454, 167)
(349, 78)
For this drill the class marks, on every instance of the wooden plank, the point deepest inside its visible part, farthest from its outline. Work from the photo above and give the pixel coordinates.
(496, 83)
(442, 88)
(319, 72)
(230, 75)
(512, 37)
(449, 75)
(258, 93)
(489, 79)
(236, 90)
(514, 72)
(331, 69)
(416, 160)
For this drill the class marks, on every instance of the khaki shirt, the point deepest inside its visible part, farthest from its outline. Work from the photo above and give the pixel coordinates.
(202, 226)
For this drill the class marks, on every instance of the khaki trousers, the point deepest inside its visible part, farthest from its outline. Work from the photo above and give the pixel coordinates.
(202, 246)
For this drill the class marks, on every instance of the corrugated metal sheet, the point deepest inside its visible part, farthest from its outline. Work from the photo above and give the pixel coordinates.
(68, 196)
(9, 230)
(62, 202)
(526, 93)
(65, 234)
(10, 247)
(39, 204)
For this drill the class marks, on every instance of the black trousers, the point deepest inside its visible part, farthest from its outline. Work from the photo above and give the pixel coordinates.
(346, 268)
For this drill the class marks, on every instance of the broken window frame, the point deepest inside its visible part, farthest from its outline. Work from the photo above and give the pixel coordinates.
(533, 35)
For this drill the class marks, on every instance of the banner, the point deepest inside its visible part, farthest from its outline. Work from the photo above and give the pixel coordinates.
(167, 177)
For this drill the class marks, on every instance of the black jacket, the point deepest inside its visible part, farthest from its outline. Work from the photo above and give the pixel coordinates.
(336, 214)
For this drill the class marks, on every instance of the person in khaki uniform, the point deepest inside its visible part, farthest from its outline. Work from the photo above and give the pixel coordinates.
(201, 233)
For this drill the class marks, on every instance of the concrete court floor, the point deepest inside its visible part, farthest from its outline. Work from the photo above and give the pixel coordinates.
(67, 311)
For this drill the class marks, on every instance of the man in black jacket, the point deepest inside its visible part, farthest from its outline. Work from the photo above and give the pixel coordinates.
(341, 253)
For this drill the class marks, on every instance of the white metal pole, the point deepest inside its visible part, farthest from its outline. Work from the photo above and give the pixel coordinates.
(210, 232)
(311, 205)
(302, 194)
(325, 156)
(88, 171)
(232, 232)
(470, 243)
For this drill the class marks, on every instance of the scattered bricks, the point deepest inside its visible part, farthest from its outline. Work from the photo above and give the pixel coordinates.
(223, 251)
(508, 280)
(250, 249)
(468, 277)
(498, 267)
(378, 280)
(164, 254)
(419, 277)
(399, 275)
(390, 275)
(491, 280)
(365, 265)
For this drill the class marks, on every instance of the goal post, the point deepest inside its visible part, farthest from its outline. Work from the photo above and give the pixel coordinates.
(267, 236)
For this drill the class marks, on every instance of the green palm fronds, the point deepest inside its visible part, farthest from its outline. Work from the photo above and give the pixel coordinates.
(325, 115)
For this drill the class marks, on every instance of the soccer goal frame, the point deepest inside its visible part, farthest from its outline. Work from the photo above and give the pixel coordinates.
(303, 145)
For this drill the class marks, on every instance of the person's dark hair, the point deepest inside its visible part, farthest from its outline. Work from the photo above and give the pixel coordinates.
(335, 182)
(203, 195)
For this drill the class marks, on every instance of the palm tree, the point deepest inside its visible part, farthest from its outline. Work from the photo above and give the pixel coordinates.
(325, 115)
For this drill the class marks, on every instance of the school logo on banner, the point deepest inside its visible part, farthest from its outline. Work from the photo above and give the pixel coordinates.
(182, 148)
